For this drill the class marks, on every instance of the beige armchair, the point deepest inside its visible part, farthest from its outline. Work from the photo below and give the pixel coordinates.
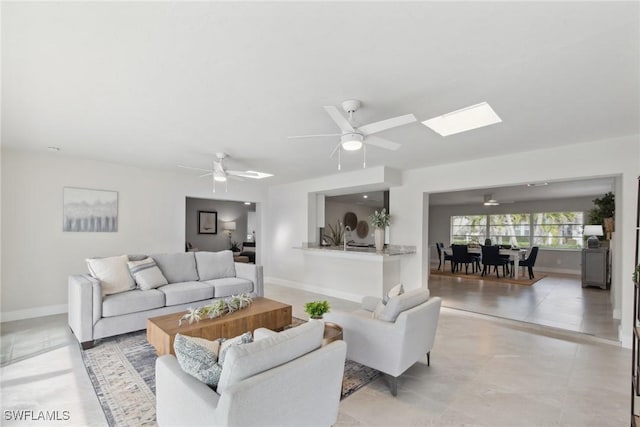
(402, 333)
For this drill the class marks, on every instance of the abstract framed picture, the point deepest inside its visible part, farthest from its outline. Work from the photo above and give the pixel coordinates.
(207, 222)
(87, 210)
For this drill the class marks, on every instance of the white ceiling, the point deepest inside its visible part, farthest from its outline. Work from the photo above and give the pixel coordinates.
(157, 84)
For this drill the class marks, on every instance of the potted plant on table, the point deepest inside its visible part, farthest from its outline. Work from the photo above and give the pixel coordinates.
(380, 220)
(316, 309)
(235, 248)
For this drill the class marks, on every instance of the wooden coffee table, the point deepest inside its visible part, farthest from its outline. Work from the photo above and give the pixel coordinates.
(262, 313)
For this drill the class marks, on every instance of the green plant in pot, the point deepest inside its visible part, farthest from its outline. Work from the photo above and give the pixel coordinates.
(335, 235)
(604, 212)
(636, 272)
(317, 309)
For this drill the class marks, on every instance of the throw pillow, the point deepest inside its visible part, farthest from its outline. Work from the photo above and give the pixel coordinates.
(393, 292)
(113, 274)
(198, 357)
(147, 274)
(226, 344)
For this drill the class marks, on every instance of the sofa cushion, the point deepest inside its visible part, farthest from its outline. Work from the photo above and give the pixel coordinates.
(230, 286)
(113, 274)
(199, 358)
(215, 265)
(400, 303)
(131, 302)
(184, 292)
(247, 360)
(147, 274)
(393, 292)
(245, 338)
(177, 267)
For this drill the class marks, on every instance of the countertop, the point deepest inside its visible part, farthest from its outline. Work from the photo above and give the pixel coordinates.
(390, 250)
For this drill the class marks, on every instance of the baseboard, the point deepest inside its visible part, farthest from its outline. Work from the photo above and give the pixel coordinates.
(29, 313)
(311, 288)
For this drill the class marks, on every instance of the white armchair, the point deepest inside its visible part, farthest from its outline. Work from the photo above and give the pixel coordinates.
(402, 333)
(281, 379)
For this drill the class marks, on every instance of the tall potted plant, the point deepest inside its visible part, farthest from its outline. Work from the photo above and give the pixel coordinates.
(379, 221)
(604, 213)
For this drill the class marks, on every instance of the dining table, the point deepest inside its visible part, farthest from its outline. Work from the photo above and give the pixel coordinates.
(515, 255)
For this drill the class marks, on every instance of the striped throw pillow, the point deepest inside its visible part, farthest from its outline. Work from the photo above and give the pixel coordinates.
(147, 274)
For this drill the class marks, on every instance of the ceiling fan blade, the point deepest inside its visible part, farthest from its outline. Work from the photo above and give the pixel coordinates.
(340, 120)
(249, 174)
(235, 177)
(206, 174)
(314, 136)
(387, 124)
(382, 143)
(196, 169)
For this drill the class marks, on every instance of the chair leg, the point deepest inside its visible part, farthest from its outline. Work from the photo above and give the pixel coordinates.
(87, 344)
(439, 264)
(393, 384)
(428, 358)
(531, 276)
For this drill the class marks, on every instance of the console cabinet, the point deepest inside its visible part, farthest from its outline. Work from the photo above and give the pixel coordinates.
(595, 267)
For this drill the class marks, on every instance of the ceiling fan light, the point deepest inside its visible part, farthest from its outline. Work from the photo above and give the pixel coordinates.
(352, 145)
(220, 178)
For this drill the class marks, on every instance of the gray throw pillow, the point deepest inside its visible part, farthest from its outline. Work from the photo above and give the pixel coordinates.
(198, 357)
(245, 338)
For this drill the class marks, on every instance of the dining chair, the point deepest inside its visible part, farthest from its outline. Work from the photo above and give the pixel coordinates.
(491, 258)
(530, 261)
(461, 255)
(443, 257)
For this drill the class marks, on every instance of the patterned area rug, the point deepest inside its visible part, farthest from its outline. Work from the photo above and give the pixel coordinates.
(122, 371)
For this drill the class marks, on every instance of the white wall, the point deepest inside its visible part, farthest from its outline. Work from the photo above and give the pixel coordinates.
(151, 218)
(290, 212)
(558, 261)
(615, 157)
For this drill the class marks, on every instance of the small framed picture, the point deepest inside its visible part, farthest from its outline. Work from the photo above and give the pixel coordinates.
(207, 222)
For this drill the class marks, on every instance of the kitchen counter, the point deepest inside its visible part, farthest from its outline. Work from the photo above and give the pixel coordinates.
(354, 272)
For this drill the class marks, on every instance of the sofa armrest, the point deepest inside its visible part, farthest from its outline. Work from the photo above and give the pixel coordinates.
(180, 398)
(253, 273)
(84, 305)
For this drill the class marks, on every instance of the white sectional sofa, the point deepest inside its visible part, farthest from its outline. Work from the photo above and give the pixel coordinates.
(194, 279)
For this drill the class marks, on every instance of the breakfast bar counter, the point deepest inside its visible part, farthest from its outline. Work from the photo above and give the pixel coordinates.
(353, 272)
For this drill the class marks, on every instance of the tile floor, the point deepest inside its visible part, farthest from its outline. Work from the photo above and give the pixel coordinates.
(484, 371)
(557, 300)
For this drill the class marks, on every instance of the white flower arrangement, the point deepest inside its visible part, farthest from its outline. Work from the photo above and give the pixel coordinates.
(217, 309)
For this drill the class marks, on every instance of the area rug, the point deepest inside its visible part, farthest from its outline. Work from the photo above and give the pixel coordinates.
(523, 280)
(122, 371)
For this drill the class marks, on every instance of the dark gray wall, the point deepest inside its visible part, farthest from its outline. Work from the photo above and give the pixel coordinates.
(227, 211)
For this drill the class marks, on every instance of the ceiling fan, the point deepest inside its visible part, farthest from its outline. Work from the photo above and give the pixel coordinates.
(220, 174)
(354, 137)
(490, 201)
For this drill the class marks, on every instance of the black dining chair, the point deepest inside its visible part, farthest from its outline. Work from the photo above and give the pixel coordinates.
(461, 255)
(530, 261)
(487, 242)
(491, 258)
(442, 256)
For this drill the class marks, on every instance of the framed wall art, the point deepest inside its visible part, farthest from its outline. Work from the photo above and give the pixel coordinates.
(207, 222)
(87, 210)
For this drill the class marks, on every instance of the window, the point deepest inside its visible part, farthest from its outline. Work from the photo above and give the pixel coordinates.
(510, 229)
(558, 229)
(561, 230)
(468, 228)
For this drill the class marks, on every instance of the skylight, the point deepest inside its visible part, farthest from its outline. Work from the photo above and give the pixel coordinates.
(468, 118)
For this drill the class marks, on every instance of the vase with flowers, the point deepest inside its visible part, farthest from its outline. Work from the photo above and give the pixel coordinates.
(380, 221)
